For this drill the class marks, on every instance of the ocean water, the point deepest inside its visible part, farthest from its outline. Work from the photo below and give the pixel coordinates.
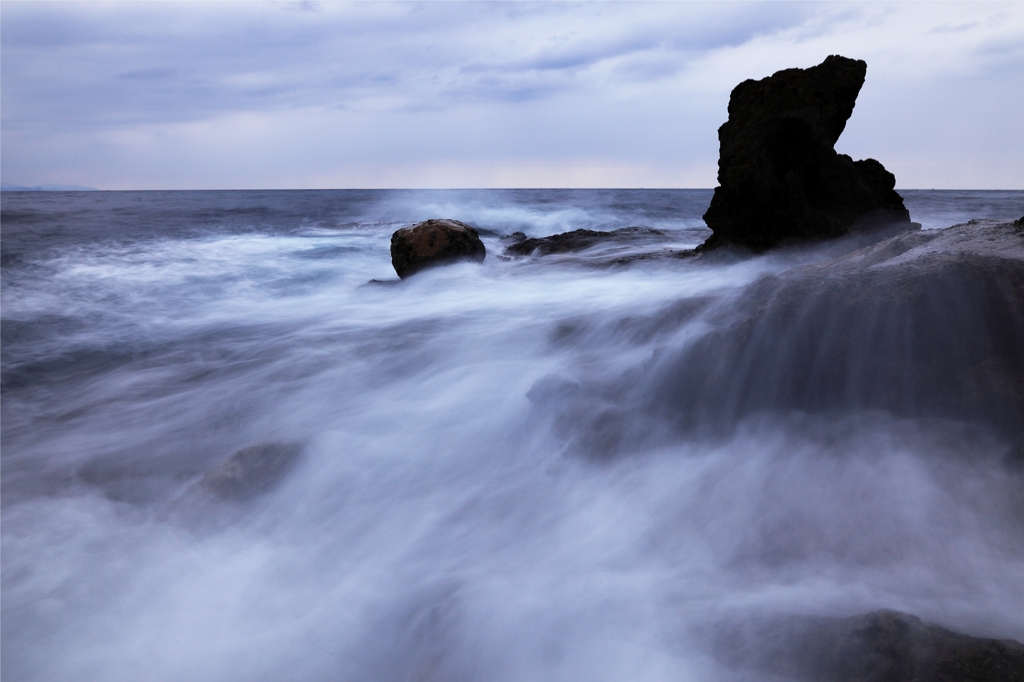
(487, 488)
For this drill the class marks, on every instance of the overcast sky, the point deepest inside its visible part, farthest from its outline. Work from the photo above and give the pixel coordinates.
(484, 94)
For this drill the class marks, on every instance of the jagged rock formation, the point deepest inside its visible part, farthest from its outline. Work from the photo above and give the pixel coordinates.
(780, 177)
(884, 646)
(434, 242)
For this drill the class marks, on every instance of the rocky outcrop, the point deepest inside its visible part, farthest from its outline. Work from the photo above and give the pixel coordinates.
(578, 240)
(780, 177)
(884, 646)
(434, 242)
(926, 324)
(923, 324)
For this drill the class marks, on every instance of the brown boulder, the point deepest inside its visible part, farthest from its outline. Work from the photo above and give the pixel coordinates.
(434, 242)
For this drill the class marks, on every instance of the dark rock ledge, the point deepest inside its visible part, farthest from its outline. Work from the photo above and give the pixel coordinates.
(883, 646)
(577, 240)
(942, 312)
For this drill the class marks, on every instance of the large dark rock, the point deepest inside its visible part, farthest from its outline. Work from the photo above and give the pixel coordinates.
(434, 242)
(780, 177)
(884, 646)
(928, 324)
(924, 324)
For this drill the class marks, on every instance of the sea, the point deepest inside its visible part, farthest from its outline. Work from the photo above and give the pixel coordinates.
(473, 499)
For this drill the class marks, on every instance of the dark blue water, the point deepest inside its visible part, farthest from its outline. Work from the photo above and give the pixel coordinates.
(440, 524)
(34, 220)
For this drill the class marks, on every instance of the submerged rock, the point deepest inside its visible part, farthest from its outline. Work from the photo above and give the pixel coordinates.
(577, 240)
(780, 177)
(250, 471)
(434, 242)
(884, 646)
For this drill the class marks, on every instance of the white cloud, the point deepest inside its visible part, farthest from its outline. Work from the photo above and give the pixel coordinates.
(484, 94)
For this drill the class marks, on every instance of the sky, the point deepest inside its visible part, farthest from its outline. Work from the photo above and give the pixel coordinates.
(240, 95)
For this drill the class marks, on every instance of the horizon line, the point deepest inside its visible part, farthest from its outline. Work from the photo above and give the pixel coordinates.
(73, 188)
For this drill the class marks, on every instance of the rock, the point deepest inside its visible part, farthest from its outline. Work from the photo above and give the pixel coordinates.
(884, 646)
(924, 324)
(250, 471)
(780, 177)
(552, 388)
(434, 242)
(587, 425)
(577, 240)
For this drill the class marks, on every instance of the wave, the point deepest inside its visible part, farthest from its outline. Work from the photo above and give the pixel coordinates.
(520, 469)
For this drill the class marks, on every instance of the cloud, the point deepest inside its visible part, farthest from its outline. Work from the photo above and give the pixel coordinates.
(71, 65)
(147, 74)
(133, 94)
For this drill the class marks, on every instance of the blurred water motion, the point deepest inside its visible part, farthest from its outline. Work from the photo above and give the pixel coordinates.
(504, 473)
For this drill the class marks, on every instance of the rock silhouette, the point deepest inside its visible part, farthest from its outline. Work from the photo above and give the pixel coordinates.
(577, 240)
(434, 242)
(884, 646)
(780, 177)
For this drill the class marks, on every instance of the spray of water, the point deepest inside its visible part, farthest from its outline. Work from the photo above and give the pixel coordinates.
(513, 470)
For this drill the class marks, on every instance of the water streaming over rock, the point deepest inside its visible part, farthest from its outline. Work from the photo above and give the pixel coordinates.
(530, 468)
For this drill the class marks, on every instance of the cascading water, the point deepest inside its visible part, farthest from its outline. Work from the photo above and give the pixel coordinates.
(526, 469)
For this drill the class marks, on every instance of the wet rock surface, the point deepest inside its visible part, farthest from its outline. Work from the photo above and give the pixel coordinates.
(883, 646)
(578, 240)
(780, 177)
(591, 419)
(432, 243)
(251, 471)
(924, 324)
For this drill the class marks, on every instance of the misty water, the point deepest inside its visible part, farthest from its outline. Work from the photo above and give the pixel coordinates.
(494, 480)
